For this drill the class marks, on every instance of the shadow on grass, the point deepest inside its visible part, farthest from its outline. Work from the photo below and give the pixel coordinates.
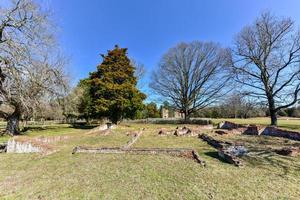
(34, 128)
(214, 154)
(83, 126)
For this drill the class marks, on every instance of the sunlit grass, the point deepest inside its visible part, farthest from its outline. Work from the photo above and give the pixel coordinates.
(62, 175)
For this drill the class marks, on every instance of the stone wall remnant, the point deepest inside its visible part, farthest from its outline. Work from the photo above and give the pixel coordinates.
(179, 152)
(226, 150)
(15, 146)
(229, 125)
(229, 157)
(133, 140)
(278, 132)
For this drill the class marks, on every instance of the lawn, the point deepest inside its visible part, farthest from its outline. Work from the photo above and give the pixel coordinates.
(62, 175)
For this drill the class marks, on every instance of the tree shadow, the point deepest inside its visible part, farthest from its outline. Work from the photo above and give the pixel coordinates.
(83, 126)
(215, 155)
(34, 128)
(265, 159)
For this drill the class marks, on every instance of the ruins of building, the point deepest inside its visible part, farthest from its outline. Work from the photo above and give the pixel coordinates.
(165, 114)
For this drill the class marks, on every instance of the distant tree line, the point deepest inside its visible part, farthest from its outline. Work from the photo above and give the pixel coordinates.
(258, 75)
(263, 64)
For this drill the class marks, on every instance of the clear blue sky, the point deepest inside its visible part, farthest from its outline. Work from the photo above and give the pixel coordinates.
(148, 28)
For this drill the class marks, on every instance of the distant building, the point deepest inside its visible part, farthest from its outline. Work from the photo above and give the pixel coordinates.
(165, 114)
(178, 114)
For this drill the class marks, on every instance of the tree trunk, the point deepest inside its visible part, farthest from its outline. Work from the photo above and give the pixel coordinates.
(273, 118)
(12, 127)
(273, 111)
(186, 115)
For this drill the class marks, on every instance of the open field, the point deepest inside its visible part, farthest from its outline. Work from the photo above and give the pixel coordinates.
(288, 123)
(62, 175)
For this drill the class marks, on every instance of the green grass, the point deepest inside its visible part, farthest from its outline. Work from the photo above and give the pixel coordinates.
(288, 123)
(62, 175)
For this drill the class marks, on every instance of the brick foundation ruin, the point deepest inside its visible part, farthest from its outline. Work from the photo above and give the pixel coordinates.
(185, 131)
(133, 140)
(178, 152)
(24, 144)
(127, 149)
(232, 128)
(229, 152)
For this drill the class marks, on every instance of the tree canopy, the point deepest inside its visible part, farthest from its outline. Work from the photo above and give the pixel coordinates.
(113, 88)
(192, 76)
(31, 69)
(266, 58)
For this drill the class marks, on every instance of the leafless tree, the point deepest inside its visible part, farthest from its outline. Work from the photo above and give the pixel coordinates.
(266, 58)
(192, 76)
(139, 72)
(30, 68)
(238, 106)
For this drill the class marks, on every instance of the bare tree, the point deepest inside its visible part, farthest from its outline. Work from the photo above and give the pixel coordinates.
(30, 68)
(266, 60)
(238, 106)
(192, 76)
(139, 72)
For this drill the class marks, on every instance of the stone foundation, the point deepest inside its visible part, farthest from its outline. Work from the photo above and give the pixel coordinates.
(226, 150)
(232, 128)
(178, 152)
(229, 125)
(230, 158)
(14, 146)
(133, 140)
(183, 131)
(213, 142)
(277, 132)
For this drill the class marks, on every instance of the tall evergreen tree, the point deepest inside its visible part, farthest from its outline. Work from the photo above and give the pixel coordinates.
(113, 87)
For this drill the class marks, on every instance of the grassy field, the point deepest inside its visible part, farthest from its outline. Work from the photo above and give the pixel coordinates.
(62, 175)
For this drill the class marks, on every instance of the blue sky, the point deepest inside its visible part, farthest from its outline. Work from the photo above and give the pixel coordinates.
(148, 28)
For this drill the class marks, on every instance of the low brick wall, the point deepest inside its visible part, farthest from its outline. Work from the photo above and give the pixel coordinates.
(277, 132)
(171, 121)
(178, 152)
(229, 125)
(232, 128)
